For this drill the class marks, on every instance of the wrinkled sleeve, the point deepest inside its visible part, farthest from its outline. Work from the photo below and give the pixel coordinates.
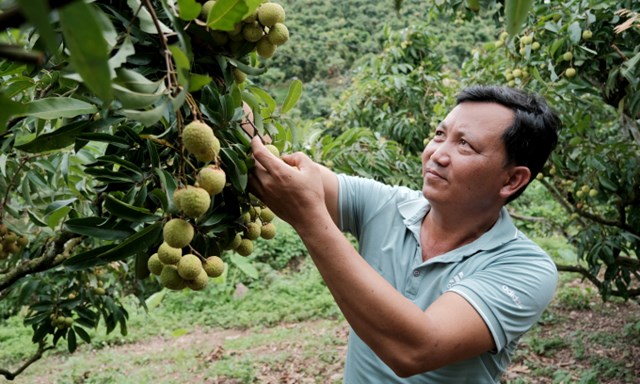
(359, 200)
(512, 294)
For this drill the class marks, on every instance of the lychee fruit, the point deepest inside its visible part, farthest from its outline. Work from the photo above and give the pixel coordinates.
(194, 201)
(212, 179)
(214, 266)
(198, 139)
(189, 267)
(178, 233)
(270, 13)
(278, 34)
(170, 278)
(154, 264)
(168, 254)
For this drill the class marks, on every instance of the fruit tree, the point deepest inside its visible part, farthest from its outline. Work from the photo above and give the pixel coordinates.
(125, 129)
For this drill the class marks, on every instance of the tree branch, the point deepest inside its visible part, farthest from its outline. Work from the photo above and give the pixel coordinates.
(594, 280)
(46, 261)
(36, 356)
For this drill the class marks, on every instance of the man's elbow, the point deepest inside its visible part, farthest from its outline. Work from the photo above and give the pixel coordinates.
(407, 366)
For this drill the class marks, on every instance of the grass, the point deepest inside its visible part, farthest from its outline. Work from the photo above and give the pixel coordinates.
(287, 327)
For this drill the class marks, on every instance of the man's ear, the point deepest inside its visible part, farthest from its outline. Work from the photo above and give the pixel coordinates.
(518, 177)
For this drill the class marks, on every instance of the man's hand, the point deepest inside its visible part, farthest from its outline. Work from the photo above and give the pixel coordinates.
(290, 186)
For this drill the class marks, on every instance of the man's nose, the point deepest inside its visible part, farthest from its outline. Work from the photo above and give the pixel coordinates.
(439, 154)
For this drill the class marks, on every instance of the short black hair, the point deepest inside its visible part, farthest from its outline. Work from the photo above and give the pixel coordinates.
(534, 132)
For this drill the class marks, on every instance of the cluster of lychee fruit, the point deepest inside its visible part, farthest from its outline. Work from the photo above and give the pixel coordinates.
(264, 30)
(10, 242)
(177, 269)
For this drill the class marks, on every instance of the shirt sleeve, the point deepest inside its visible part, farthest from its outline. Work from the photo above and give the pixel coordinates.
(360, 200)
(511, 294)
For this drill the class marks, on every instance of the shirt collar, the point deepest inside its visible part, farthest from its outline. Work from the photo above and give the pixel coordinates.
(413, 212)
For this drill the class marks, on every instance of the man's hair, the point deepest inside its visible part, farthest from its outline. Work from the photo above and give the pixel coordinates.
(534, 132)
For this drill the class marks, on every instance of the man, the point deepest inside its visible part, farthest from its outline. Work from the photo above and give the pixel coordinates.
(444, 284)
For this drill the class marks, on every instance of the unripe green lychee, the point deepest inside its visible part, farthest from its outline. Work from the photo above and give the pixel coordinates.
(169, 278)
(22, 241)
(219, 38)
(251, 18)
(168, 254)
(176, 197)
(214, 266)
(270, 13)
(535, 46)
(199, 282)
(268, 231)
(238, 75)
(198, 139)
(567, 56)
(245, 248)
(265, 48)
(99, 291)
(177, 233)
(154, 264)
(235, 242)
(587, 34)
(278, 34)
(267, 215)
(195, 201)
(68, 321)
(504, 35)
(206, 7)
(273, 149)
(526, 39)
(212, 179)
(517, 73)
(252, 32)
(570, 72)
(3, 229)
(10, 237)
(252, 231)
(189, 267)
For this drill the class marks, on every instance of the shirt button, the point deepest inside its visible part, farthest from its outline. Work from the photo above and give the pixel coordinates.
(416, 273)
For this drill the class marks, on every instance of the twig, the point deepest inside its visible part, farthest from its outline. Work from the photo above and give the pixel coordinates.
(14, 18)
(17, 53)
(36, 356)
(593, 279)
(172, 81)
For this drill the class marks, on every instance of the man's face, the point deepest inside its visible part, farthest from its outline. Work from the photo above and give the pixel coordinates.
(465, 162)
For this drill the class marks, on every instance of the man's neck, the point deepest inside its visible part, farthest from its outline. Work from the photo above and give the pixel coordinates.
(442, 232)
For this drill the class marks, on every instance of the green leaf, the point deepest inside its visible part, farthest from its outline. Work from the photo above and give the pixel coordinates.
(225, 14)
(244, 265)
(141, 268)
(53, 219)
(37, 12)
(182, 64)
(126, 49)
(71, 340)
(58, 107)
(146, 21)
(127, 211)
(238, 178)
(295, 90)
(58, 139)
(87, 259)
(138, 242)
(8, 108)
(147, 118)
(136, 82)
(575, 32)
(155, 299)
(134, 100)
(188, 9)
(89, 52)
(515, 12)
(249, 70)
(83, 334)
(97, 227)
(197, 82)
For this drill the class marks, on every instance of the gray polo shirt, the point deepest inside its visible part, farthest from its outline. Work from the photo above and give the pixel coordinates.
(506, 277)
